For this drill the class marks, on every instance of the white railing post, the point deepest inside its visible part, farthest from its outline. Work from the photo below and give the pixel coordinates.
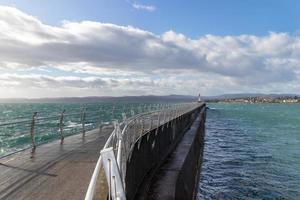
(115, 186)
(158, 119)
(100, 120)
(119, 140)
(32, 131)
(61, 126)
(142, 125)
(164, 119)
(113, 113)
(83, 121)
(124, 116)
(151, 122)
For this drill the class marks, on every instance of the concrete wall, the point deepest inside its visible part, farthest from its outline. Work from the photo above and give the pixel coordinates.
(187, 180)
(151, 150)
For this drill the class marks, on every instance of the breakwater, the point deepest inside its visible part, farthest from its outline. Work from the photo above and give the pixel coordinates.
(177, 176)
(166, 164)
(64, 170)
(132, 157)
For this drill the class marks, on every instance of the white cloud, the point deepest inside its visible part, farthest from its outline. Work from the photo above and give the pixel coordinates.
(143, 7)
(42, 85)
(172, 62)
(33, 85)
(138, 6)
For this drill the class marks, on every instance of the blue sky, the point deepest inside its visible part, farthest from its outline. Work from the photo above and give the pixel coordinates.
(192, 18)
(125, 47)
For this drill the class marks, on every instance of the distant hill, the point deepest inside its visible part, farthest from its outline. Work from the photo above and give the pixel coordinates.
(146, 98)
(94, 99)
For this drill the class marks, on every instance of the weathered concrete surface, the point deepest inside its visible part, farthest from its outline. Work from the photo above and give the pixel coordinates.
(55, 171)
(177, 177)
(151, 151)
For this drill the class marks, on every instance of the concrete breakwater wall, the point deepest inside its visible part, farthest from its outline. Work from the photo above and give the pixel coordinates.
(153, 150)
(189, 154)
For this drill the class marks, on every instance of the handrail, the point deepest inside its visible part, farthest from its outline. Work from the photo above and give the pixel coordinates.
(93, 181)
(71, 123)
(26, 119)
(122, 141)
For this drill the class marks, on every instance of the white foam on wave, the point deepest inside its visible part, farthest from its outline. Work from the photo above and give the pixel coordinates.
(71, 124)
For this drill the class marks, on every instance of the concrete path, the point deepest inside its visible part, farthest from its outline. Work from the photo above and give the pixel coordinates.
(55, 171)
(164, 184)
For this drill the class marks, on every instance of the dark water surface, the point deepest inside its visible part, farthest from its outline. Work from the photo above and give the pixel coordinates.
(251, 152)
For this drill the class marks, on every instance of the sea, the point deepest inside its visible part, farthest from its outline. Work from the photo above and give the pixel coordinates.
(252, 151)
(16, 120)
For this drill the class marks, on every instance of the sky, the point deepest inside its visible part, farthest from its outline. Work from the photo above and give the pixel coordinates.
(122, 47)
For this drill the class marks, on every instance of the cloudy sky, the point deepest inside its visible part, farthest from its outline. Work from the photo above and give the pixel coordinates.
(122, 47)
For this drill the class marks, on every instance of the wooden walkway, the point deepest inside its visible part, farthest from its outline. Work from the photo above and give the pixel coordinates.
(55, 171)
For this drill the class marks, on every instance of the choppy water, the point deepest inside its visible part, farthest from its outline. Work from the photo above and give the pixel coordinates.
(251, 152)
(16, 136)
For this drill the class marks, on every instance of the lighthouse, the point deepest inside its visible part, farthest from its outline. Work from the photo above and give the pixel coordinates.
(199, 98)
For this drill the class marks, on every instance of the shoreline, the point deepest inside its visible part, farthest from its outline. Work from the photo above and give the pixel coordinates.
(236, 102)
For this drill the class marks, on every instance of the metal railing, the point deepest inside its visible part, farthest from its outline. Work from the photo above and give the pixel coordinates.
(116, 151)
(35, 130)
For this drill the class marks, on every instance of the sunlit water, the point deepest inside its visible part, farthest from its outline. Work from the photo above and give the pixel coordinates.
(251, 152)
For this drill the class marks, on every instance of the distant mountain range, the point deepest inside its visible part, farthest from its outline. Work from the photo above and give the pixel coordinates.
(146, 98)
(93, 99)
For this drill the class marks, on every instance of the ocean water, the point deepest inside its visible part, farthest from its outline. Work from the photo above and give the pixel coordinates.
(15, 120)
(252, 151)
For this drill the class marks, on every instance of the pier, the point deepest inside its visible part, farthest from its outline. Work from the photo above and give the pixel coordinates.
(132, 158)
(138, 155)
(54, 171)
